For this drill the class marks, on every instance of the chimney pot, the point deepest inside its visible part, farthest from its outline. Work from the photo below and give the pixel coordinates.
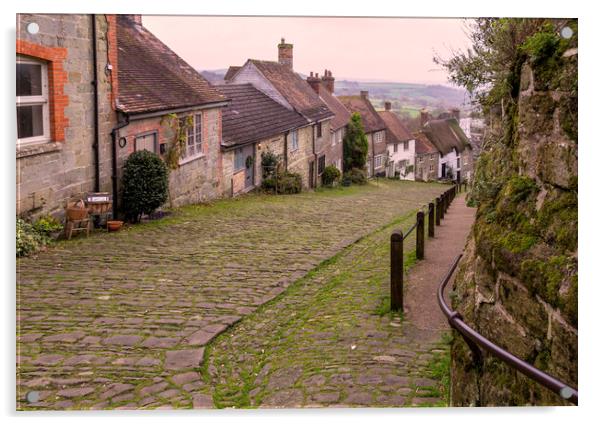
(424, 116)
(364, 94)
(387, 106)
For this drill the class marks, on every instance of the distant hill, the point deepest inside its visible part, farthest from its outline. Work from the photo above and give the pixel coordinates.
(407, 98)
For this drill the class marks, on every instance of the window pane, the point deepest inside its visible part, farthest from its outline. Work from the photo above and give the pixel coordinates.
(29, 79)
(30, 121)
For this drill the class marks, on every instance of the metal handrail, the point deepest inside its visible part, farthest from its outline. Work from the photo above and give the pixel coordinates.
(475, 339)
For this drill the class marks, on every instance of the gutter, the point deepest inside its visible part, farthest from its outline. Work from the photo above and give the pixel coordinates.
(114, 134)
(162, 112)
(95, 145)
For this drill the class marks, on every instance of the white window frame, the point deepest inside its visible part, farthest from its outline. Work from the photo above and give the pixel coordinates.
(378, 137)
(242, 166)
(378, 161)
(333, 138)
(36, 100)
(406, 146)
(294, 140)
(196, 137)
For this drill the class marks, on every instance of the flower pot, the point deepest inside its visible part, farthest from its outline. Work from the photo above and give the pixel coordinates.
(114, 225)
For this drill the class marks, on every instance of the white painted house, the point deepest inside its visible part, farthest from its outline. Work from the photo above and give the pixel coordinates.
(401, 146)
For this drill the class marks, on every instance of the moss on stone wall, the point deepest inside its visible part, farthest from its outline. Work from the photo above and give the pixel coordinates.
(517, 283)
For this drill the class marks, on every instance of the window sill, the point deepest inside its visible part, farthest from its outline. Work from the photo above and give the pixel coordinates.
(38, 148)
(191, 159)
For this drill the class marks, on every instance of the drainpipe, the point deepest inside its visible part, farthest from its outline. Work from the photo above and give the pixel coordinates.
(114, 134)
(313, 144)
(286, 133)
(95, 146)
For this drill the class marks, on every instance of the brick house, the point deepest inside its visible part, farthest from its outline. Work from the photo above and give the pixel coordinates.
(427, 158)
(64, 120)
(306, 145)
(252, 124)
(324, 87)
(154, 83)
(401, 146)
(375, 130)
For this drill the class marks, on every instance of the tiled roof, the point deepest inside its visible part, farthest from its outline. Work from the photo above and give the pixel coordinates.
(252, 116)
(446, 134)
(341, 114)
(152, 77)
(294, 89)
(396, 131)
(423, 145)
(370, 118)
(231, 71)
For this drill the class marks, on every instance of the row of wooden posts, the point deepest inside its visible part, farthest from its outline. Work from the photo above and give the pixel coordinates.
(436, 213)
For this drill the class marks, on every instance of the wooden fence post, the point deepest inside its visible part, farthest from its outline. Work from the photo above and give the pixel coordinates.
(396, 271)
(437, 211)
(442, 207)
(431, 220)
(420, 235)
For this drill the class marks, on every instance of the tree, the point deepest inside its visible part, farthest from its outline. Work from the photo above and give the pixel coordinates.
(355, 144)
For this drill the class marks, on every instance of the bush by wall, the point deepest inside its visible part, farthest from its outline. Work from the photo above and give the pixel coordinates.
(283, 183)
(145, 184)
(331, 175)
(355, 176)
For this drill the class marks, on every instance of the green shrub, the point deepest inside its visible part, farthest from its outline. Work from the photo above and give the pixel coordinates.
(356, 176)
(355, 144)
(47, 225)
(28, 240)
(145, 184)
(283, 183)
(330, 175)
(269, 163)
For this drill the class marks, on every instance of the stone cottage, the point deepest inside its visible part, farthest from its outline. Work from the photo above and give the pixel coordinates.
(252, 124)
(157, 91)
(426, 160)
(375, 130)
(401, 146)
(306, 145)
(64, 108)
(324, 87)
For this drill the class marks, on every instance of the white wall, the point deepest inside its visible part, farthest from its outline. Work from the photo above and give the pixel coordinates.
(401, 155)
(451, 161)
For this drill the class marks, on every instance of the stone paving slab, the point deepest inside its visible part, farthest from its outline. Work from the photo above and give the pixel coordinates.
(121, 313)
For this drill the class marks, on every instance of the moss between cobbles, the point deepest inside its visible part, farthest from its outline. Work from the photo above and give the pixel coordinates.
(236, 392)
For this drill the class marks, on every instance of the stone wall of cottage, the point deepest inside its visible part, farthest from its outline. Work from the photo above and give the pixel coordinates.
(196, 180)
(50, 173)
(424, 162)
(299, 159)
(272, 144)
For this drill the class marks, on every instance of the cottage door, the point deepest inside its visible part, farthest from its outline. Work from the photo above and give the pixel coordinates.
(443, 174)
(249, 166)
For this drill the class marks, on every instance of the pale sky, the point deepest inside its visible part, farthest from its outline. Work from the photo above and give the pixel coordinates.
(377, 49)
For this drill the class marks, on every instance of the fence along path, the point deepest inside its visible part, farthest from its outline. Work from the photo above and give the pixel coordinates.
(422, 280)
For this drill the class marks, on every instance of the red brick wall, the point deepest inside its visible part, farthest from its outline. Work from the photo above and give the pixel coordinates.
(57, 77)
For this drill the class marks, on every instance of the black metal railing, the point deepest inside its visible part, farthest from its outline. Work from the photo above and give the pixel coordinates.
(436, 212)
(476, 340)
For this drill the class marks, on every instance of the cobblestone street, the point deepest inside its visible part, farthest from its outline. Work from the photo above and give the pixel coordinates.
(121, 320)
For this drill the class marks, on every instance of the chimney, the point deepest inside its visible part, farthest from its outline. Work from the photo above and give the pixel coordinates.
(137, 19)
(455, 112)
(285, 54)
(314, 81)
(387, 106)
(364, 94)
(328, 80)
(424, 116)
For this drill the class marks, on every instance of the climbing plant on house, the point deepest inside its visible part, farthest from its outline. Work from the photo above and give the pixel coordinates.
(176, 147)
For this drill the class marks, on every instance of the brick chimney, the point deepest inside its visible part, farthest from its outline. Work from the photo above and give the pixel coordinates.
(328, 81)
(285, 54)
(314, 81)
(387, 106)
(137, 19)
(455, 112)
(424, 116)
(364, 94)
